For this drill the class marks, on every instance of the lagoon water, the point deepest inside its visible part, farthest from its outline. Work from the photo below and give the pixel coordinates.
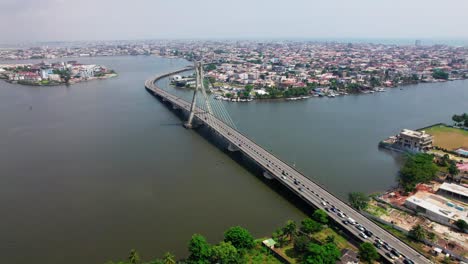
(92, 170)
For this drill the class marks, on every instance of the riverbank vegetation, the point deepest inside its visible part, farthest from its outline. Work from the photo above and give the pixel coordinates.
(313, 241)
(418, 168)
(461, 120)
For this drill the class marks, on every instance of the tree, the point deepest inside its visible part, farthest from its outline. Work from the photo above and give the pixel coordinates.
(440, 74)
(301, 243)
(460, 223)
(290, 229)
(368, 253)
(249, 88)
(200, 250)
(224, 252)
(359, 200)
(418, 168)
(169, 258)
(239, 237)
(133, 257)
(417, 233)
(326, 254)
(310, 226)
(320, 216)
(330, 239)
(453, 169)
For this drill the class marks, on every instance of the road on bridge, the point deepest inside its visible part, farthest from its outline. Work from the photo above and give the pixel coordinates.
(304, 187)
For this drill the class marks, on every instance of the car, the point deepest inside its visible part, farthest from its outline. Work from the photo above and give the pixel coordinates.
(282, 177)
(296, 182)
(378, 245)
(396, 253)
(362, 235)
(360, 227)
(327, 209)
(324, 204)
(378, 241)
(340, 214)
(386, 247)
(300, 189)
(345, 222)
(408, 261)
(368, 233)
(389, 255)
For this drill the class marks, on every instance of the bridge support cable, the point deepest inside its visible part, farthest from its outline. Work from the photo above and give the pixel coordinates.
(224, 114)
(219, 113)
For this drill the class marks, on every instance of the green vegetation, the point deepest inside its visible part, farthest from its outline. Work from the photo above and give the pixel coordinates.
(462, 224)
(368, 252)
(320, 216)
(418, 168)
(239, 237)
(461, 120)
(64, 74)
(417, 233)
(311, 242)
(200, 250)
(448, 138)
(322, 254)
(359, 200)
(440, 74)
(210, 67)
(310, 226)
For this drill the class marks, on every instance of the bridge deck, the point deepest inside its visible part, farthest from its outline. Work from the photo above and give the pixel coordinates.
(311, 192)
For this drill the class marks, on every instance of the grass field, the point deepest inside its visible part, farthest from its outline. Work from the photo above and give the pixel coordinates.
(448, 137)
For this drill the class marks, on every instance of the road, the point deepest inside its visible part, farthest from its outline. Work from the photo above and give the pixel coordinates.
(308, 190)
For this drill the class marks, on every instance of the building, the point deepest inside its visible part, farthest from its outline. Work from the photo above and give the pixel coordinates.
(454, 191)
(436, 207)
(416, 141)
(417, 43)
(348, 257)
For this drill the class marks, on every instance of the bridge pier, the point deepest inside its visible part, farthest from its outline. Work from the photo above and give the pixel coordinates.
(267, 175)
(232, 148)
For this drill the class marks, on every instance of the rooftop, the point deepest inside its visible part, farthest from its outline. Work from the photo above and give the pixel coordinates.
(454, 188)
(439, 205)
(413, 133)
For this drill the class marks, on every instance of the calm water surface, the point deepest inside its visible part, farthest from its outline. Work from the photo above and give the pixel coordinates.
(92, 170)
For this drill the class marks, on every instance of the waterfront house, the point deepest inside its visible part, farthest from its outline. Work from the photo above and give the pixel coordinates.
(416, 141)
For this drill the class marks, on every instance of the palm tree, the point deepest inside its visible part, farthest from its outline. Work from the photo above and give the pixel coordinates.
(133, 257)
(290, 229)
(169, 258)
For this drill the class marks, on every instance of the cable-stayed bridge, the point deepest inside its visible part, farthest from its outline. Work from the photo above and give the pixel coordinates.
(205, 111)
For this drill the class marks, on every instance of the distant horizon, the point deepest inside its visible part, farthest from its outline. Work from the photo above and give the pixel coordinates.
(88, 20)
(361, 40)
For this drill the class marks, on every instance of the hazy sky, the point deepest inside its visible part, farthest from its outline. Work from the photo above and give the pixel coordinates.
(46, 20)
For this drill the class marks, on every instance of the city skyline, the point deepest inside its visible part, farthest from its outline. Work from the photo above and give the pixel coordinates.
(62, 20)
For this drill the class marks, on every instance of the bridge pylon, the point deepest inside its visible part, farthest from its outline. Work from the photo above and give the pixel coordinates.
(199, 85)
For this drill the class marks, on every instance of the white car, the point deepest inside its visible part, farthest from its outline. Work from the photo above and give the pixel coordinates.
(340, 214)
(362, 235)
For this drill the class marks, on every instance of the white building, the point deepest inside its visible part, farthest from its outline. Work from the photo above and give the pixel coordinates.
(414, 140)
(454, 191)
(436, 207)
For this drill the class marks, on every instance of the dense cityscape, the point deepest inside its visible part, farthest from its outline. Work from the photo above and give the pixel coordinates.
(248, 69)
